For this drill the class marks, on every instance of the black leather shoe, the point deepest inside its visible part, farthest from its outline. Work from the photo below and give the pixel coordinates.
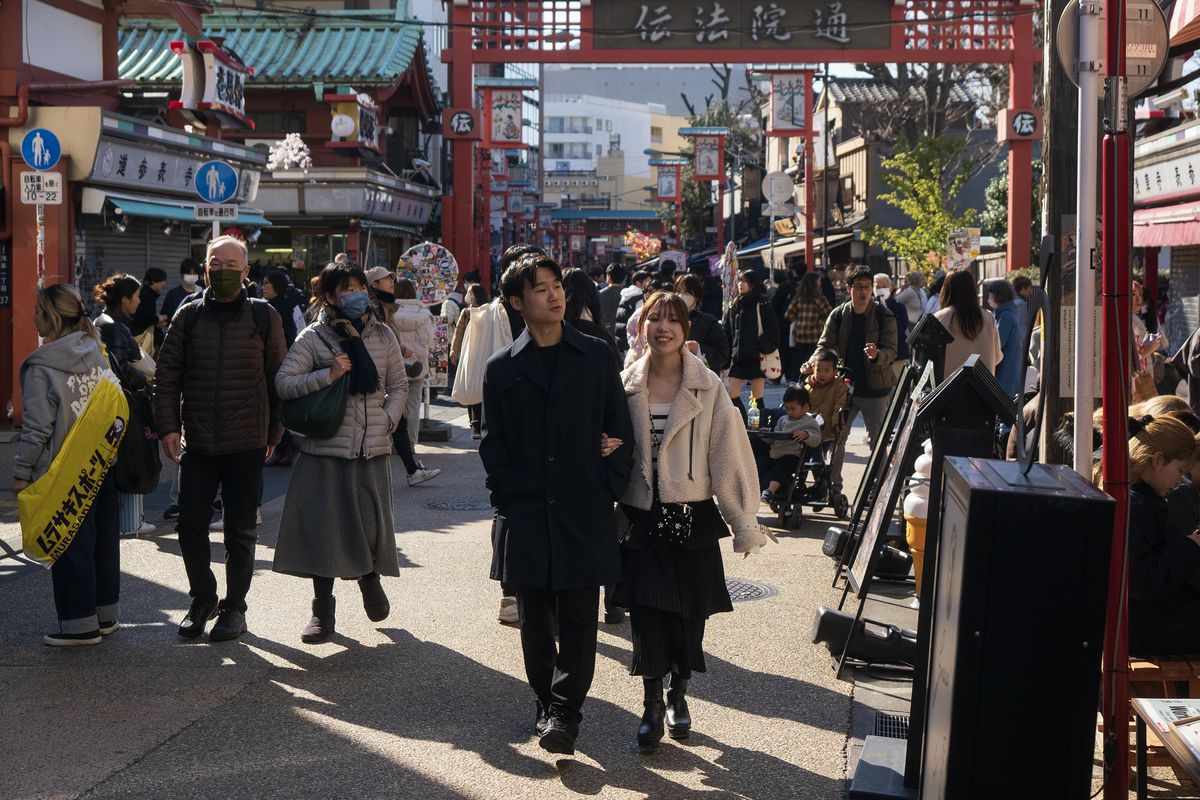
(203, 609)
(559, 736)
(231, 624)
(542, 720)
(679, 719)
(613, 616)
(650, 731)
(375, 601)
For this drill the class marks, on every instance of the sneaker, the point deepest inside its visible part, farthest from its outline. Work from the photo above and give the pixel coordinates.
(230, 625)
(508, 611)
(767, 496)
(217, 524)
(202, 610)
(258, 516)
(423, 474)
(145, 528)
(71, 639)
(109, 628)
(171, 512)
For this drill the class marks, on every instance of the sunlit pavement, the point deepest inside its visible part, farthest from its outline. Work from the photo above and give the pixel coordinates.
(431, 703)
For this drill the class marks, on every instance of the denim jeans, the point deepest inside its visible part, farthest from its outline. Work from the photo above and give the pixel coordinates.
(87, 577)
(238, 476)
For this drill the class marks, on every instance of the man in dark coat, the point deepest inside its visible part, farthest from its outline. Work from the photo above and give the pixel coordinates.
(557, 447)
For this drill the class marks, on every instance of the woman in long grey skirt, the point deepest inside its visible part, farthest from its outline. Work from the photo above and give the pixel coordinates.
(337, 518)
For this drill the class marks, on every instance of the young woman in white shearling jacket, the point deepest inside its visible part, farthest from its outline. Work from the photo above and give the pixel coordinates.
(687, 431)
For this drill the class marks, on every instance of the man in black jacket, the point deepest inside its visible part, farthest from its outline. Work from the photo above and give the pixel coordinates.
(557, 447)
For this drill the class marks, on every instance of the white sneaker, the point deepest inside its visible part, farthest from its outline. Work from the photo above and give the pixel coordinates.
(146, 528)
(258, 516)
(218, 524)
(423, 474)
(508, 611)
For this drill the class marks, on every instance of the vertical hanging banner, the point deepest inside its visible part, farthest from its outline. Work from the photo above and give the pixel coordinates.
(668, 187)
(503, 107)
(709, 146)
(790, 93)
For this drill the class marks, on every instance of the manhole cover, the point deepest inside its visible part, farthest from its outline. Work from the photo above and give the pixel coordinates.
(743, 591)
(460, 505)
(891, 726)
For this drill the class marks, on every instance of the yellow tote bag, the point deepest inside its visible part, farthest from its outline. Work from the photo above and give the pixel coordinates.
(53, 507)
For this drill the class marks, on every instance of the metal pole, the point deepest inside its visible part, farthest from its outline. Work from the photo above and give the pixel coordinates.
(1086, 156)
(1116, 354)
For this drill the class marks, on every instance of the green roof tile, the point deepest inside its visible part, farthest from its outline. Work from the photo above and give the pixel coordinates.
(358, 48)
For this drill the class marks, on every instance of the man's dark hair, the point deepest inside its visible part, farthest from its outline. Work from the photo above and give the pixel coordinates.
(859, 273)
(189, 266)
(471, 277)
(795, 393)
(1022, 282)
(1002, 290)
(523, 273)
(515, 252)
(154, 275)
(640, 276)
(826, 354)
(617, 273)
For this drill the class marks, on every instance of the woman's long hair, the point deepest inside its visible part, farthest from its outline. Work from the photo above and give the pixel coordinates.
(754, 280)
(809, 289)
(1165, 435)
(958, 292)
(581, 296)
(62, 308)
(405, 289)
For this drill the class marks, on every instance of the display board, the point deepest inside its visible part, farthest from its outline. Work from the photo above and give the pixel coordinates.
(432, 269)
(438, 373)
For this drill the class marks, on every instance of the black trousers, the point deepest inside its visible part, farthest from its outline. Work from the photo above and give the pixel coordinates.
(239, 478)
(559, 675)
(87, 576)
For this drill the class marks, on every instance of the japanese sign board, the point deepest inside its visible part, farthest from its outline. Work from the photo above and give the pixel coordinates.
(41, 188)
(439, 355)
(1019, 124)
(5, 276)
(710, 158)
(214, 80)
(743, 24)
(668, 185)
(962, 248)
(215, 212)
(789, 103)
(577, 242)
(354, 122)
(40, 149)
(127, 164)
(502, 124)
(516, 203)
(461, 123)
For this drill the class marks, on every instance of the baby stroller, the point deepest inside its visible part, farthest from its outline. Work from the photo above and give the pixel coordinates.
(810, 485)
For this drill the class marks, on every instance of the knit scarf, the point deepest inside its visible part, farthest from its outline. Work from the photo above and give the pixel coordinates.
(363, 375)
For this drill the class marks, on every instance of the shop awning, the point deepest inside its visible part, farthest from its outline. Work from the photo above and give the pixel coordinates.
(387, 229)
(159, 208)
(1167, 227)
(1184, 25)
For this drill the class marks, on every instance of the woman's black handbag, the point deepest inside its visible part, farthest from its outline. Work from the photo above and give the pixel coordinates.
(138, 464)
(671, 522)
(318, 415)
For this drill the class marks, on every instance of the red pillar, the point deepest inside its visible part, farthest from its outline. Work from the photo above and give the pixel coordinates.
(1020, 152)
(458, 209)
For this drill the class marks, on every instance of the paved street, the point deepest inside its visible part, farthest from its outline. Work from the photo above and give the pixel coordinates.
(431, 703)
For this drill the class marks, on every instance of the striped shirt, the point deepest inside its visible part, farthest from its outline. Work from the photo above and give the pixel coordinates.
(658, 421)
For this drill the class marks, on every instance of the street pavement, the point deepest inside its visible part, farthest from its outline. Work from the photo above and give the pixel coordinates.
(430, 703)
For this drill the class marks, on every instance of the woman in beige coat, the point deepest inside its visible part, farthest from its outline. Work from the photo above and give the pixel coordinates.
(337, 518)
(973, 327)
(689, 447)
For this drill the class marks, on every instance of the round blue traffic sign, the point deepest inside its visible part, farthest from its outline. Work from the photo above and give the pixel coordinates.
(216, 182)
(40, 149)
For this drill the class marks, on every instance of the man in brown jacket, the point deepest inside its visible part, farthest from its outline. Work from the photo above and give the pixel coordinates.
(218, 416)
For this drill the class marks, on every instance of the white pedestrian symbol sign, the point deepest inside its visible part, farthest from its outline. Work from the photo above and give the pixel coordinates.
(216, 182)
(40, 149)
(215, 186)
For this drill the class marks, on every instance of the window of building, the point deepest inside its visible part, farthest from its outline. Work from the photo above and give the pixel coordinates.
(655, 135)
(279, 121)
(607, 125)
(599, 151)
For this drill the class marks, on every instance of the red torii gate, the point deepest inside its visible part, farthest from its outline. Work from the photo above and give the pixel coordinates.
(739, 31)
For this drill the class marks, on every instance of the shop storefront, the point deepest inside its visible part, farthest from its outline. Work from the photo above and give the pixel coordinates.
(371, 216)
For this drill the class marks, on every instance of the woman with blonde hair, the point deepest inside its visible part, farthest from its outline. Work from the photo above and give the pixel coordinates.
(57, 381)
(689, 447)
(1164, 567)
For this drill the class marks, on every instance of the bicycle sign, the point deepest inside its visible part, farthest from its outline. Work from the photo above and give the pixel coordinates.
(41, 188)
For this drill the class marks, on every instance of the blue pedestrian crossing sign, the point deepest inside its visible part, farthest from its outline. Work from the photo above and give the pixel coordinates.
(40, 149)
(216, 182)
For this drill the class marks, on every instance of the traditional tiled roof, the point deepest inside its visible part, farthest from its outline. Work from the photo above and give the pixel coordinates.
(868, 91)
(358, 48)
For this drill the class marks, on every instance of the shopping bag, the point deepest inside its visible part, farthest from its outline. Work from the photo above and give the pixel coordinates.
(487, 333)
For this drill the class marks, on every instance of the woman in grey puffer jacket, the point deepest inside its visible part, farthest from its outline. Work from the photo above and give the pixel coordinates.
(337, 518)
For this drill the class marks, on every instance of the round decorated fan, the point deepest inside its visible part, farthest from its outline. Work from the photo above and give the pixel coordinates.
(432, 269)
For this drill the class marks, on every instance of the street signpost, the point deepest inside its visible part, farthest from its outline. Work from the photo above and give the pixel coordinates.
(41, 150)
(216, 184)
(777, 189)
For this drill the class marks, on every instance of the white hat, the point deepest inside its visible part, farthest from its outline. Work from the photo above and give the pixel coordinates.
(377, 273)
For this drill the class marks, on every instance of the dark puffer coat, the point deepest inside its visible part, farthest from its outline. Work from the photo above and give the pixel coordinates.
(217, 384)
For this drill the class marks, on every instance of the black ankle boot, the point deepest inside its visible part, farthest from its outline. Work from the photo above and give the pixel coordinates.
(679, 719)
(737, 403)
(320, 627)
(650, 731)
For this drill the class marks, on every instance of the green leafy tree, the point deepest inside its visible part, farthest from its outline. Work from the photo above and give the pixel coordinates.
(925, 180)
(995, 211)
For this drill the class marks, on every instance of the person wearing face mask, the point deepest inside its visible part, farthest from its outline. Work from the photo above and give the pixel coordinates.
(704, 329)
(189, 282)
(219, 418)
(337, 518)
(885, 295)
